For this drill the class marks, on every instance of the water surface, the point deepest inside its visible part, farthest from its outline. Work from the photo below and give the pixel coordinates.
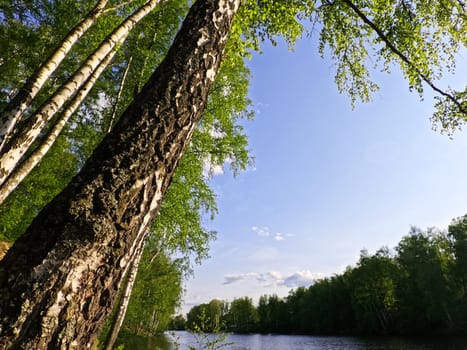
(182, 341)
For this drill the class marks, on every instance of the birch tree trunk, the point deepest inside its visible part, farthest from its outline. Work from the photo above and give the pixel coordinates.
(125, 299)
(23, 139)
(58, 281)
(119, 94)
(12, 113)
(22, 170)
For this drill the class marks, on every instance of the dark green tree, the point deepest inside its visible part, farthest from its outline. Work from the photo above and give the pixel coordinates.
(208, 317)
(242, 316)
(273, 314)
(457, 232)
(373, 284)
(178, 323)
(425, 292)
(298, 310)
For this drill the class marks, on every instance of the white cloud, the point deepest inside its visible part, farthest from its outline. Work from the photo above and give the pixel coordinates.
(275, 278)
(302, 279)
(264, 231)
(210, 169)
(279, 236)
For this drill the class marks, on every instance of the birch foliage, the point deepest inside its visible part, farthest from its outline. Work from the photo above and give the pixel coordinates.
(420, 37)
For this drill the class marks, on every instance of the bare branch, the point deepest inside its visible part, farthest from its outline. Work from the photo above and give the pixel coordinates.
(110, 9)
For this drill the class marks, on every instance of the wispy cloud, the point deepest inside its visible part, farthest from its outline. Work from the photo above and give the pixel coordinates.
(264, 231)
(279, 236)
(229, 279)
(275, 278)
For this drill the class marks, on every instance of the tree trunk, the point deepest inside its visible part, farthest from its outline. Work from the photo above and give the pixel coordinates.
(58, 281)
(26, 166)
(31, 87)
(125, 299)
(154, 322)
(119, 94)
(23, 139)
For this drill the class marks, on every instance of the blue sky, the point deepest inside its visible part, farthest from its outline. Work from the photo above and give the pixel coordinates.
(328, 181)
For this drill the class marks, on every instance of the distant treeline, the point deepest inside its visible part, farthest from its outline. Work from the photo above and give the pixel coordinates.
(419, 287)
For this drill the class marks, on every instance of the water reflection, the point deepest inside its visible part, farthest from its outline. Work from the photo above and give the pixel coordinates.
(183, 340)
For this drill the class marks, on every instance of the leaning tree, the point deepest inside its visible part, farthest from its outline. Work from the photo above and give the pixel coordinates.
(58, 281)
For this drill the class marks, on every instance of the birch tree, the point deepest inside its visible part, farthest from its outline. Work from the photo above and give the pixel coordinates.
(22, 140)
(89, 124)
(124, 298)
(22, 170)
(179, 229)
(85, 245)
(13, 111)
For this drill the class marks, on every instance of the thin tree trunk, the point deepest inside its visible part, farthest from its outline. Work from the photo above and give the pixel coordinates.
(145, 63)
(20, 172)
(119, 94)
(125, 299)
(155, 322)
(12, 113)
(58, 281)
(154, 256)
(23, 139)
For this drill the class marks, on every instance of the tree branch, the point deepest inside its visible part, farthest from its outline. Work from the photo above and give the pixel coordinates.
(110, 9)
(404, 58)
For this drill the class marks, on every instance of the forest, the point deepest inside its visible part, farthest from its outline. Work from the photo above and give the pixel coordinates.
(114, 116)
(416, 288)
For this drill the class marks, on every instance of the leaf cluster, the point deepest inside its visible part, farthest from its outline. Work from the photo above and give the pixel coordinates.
(420, 37)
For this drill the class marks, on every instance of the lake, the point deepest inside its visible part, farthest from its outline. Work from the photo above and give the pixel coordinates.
(295, 342)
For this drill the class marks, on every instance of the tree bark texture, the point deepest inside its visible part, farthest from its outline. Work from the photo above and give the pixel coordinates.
(21, 140)
(26, 94)
(59, 280)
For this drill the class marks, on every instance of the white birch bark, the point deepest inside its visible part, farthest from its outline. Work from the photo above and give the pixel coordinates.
(21, 171)
(15, 149)
(119, 94)
(12, 113)
(125, 298)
